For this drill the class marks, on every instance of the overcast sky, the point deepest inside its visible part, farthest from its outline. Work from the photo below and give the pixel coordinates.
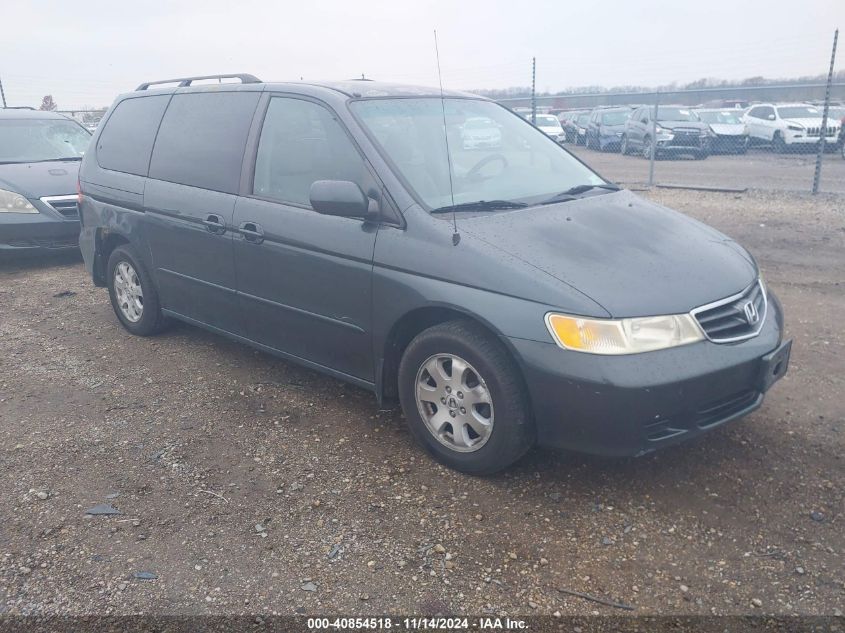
(84, 53)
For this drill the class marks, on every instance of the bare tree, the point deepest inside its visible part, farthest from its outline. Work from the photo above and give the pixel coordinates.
(48, 104)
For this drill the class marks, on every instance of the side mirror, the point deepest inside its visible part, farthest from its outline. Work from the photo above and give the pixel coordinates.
(339, 197)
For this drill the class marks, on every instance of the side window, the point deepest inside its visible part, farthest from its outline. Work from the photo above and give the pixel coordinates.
(202, 139)
(302, 142)
(766, 112)
(753, 113)
(127, 139)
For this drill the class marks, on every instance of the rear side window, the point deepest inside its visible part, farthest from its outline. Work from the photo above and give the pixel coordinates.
(127, 139)
(301, 142)
(202, 138)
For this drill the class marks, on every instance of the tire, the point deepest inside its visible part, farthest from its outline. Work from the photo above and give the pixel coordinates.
(623, 147)
(778, 144)
(490, 374)
(126, 273)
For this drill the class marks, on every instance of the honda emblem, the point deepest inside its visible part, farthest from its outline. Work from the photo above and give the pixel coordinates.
(751, 314)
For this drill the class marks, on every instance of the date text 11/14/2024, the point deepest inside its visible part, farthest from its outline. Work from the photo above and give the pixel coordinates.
(417, 624)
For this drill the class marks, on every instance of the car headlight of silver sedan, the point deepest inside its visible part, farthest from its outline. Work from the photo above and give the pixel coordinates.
(623, 336)
(11, 202)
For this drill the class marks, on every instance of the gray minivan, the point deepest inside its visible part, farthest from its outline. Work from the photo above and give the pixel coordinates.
(506, 296)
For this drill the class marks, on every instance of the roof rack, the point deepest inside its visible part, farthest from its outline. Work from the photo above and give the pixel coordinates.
(187, 81)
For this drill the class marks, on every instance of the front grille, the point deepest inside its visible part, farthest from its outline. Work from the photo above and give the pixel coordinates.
(686, 137)
(816, 131)
(715, 412)
(67, 206)
(735, 318)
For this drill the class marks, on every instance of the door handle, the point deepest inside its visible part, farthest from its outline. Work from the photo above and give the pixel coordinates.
(214, 224)
(252, 232)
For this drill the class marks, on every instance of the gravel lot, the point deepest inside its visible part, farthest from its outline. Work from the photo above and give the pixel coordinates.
(247, 484)
(758, 169)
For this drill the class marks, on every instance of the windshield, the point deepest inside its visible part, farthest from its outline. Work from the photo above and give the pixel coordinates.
(525, 165)
(546, 120)
(615, 118)
(34, 140)
(722, 116)
(799, 112)
(669, 113)
(583, 119)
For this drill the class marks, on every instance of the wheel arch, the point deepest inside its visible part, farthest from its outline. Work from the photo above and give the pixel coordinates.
(106, 240)
(408, 326)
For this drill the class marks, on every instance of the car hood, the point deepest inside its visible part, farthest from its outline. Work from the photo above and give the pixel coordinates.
(728, 128)
(550, 129)
(671, 125)
(631, 256)
(36, 180)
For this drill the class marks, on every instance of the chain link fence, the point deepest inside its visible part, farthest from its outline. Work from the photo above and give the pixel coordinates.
(726, 138)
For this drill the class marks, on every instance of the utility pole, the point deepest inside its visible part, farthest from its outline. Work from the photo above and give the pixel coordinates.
(2, 94)
(653, 151)
(533, 90)
(823, 132)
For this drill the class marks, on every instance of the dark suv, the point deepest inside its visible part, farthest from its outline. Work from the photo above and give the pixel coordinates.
(505, 296)
(39, 163)
(676, 131)
(605, 128)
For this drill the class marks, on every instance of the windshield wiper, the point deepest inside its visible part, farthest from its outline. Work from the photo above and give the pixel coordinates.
(573, 192)
(56, 160)
(481, 205)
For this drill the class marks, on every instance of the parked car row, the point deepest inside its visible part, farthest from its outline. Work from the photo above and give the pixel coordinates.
(700, 131)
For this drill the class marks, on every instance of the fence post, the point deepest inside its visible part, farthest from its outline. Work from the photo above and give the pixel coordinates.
(823, 132)
(533, 91)
(653, 141)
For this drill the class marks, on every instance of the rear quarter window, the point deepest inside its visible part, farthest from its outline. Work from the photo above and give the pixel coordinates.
(127, 139)
(202, 139)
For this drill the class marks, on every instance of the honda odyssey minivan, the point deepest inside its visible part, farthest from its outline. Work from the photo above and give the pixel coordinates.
(505, 296)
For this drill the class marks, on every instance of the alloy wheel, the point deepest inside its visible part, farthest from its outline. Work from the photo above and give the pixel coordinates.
(130, 295)
(454, 402)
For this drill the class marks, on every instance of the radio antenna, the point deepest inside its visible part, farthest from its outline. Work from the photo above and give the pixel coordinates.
(456, 237)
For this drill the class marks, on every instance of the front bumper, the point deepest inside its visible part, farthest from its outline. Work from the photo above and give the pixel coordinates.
(730, 143)
(631, 405)
(681, 144)
(27, 233)
(610, 140)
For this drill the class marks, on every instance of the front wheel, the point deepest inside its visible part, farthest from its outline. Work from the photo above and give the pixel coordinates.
(133, 295)
(464, 400)
(778, 143)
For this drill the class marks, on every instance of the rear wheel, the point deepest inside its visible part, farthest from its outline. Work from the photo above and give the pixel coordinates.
(463, 398)
(133, 295)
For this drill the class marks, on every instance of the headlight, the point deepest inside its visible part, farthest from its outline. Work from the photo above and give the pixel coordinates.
(11, 202)
(622, 336)
(795, 128)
